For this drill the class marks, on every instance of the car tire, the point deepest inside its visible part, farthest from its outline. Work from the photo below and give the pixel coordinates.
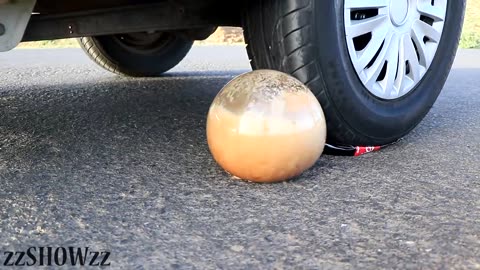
(308, 39)
(138, 54)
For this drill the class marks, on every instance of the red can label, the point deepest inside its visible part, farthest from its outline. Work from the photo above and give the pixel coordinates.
(362, 150)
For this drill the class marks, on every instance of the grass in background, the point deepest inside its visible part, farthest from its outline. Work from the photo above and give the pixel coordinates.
(471, 28)
(231, 35)
(59, 43)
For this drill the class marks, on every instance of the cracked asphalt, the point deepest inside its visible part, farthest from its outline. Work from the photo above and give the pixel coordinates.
(88, 158)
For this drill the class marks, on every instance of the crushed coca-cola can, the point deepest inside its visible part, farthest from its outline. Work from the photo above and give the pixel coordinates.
(354, 151)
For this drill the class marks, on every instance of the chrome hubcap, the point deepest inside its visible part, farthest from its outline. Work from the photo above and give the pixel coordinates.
(398, 11)
(392, 43)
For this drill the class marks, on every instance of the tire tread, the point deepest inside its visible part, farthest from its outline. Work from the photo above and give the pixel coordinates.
(337, 131)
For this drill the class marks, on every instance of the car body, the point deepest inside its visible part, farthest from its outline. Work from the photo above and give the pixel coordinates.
(376, 67)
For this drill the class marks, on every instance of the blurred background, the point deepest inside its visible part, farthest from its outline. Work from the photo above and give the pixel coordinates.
(233, 35)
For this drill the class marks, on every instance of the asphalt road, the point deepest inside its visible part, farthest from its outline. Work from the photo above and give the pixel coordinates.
(88, 158)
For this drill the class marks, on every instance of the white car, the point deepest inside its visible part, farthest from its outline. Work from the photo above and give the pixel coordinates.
(376, 66)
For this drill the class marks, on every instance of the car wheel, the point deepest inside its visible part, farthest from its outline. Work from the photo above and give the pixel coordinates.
(376, 67)
(137, 54)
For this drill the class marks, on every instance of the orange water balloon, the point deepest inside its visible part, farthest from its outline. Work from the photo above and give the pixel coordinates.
(266, 126)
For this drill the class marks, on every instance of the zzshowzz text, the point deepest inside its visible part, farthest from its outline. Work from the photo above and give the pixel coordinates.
(55, 256)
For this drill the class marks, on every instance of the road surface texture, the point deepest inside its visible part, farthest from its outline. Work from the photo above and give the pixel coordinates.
(88, 158)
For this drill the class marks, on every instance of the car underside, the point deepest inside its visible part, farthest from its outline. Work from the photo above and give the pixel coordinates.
(54, 19)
